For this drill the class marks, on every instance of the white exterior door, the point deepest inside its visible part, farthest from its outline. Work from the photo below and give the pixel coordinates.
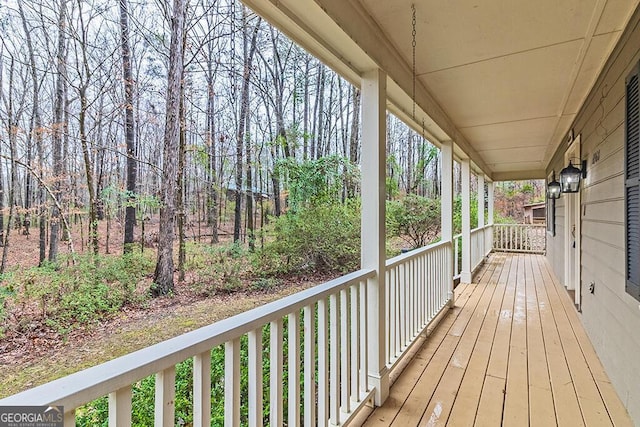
(572, 227)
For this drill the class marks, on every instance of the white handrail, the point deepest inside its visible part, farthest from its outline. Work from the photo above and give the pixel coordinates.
(117, 375)
(418, 288)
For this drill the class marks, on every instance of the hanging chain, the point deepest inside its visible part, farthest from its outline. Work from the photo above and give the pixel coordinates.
(413, 53)
(232, 68)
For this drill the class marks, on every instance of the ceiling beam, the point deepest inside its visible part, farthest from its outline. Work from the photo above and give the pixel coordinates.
(519, 175)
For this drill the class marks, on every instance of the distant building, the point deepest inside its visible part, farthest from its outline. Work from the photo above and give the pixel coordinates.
(257, 194)
(535, 213)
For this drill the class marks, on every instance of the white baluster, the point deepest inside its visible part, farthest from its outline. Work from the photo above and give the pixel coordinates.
(165, 397)
(231, 383)
(255, 378)
(309, 367)
(275, 374)
(323, 364)
(120, 407)
(201, 390)
(334, 356)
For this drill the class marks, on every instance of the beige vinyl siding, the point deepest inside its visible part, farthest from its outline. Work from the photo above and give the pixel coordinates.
(555, 252)
(611, 317)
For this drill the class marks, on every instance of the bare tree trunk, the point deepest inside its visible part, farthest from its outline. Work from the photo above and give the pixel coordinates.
(305, 114)
(58, 167)
(180, 197)
(163, 277)
(132, 172)
(36, 131)
(354, 141)
(93, 216)
(212, 176)
(12, 129)
(250, 219)
(316, 148)
(249, 51)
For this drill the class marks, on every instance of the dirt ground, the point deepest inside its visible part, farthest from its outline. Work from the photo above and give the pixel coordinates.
(37, 354)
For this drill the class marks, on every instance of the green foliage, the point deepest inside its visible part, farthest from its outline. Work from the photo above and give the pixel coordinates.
(84, 292)
(415, 219)
(6, 292)
(392, 183)
(457, 213)
(96, 413)
(527, 188)
(216, 268)
(427, 153)
(393, 188)
(323, 238)
(113, 197)
(315, 182)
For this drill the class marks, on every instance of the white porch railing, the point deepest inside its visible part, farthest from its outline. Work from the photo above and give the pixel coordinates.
(525, 238)
(333, 394)
(329, 320)
(477, 247)
(457, 255)
(418, 288)
(481, 245)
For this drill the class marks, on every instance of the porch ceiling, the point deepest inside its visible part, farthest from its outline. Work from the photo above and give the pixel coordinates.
(502, 79)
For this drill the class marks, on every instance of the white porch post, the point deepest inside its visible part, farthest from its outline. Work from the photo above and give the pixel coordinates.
(489, 215)
(373, 224)
(482, 245)
(480, 200)
(490, 186)
(446, 207)
(465, 273)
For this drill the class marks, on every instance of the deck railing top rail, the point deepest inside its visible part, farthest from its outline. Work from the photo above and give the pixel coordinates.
(408, 256)
(77, 389)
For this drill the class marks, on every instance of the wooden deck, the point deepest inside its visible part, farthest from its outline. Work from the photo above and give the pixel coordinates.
(512, 352)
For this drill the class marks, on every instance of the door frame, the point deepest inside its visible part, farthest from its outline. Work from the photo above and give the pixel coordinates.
(572, 216)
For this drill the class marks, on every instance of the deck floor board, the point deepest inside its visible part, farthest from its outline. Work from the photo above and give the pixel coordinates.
(511, 352)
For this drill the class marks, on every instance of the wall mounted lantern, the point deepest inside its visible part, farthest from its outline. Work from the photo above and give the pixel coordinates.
(570, 177)
(553, 188)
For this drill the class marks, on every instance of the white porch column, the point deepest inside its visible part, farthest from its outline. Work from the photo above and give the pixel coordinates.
(482, 245)
(446, 207)
(465, 273)
(373, 224)
(489, 235)
(490, 202)
(480, 200)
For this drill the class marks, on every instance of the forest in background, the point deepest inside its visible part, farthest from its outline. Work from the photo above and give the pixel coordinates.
(185, 149)
(186, 126)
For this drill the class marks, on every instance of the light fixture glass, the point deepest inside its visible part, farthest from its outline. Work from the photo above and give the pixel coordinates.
(570, 179)
(553, 189)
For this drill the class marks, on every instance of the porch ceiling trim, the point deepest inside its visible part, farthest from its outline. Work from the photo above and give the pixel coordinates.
(519, 175)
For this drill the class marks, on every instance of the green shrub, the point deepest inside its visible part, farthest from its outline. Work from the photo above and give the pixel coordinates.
(6, 292)
(414, 219)
(319, 238)
(83, 292)
(96, 413)
(316, 182)
(457, 213)
(217, 268)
